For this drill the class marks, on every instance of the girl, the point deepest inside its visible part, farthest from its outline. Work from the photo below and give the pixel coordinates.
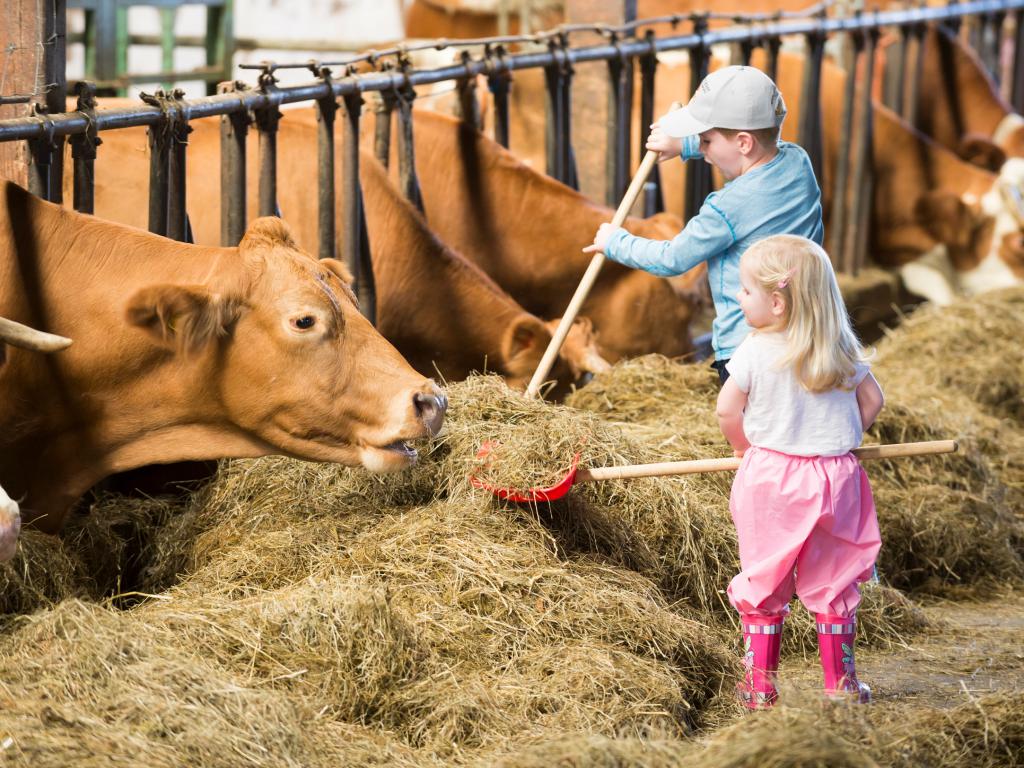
(798, 399)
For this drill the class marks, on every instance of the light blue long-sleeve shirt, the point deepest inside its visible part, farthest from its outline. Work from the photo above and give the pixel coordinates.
(779, 197)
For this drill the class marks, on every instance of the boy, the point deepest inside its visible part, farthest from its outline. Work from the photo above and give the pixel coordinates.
(733, 121)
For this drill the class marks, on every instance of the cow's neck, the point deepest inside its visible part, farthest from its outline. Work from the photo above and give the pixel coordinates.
(457, 306)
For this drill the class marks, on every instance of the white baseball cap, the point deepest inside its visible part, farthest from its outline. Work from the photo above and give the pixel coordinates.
(737, 97)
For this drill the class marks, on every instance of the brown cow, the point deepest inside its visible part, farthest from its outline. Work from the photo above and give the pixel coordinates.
(527, 231)
(443, 313)
(185, 352)
(18, 335)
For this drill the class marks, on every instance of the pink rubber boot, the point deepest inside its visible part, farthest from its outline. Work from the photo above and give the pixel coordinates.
(762, 641)
(835, 643)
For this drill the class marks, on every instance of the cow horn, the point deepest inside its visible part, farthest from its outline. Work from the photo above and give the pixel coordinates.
(19, 335)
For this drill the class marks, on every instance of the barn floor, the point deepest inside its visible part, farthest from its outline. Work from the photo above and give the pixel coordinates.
(975, 650)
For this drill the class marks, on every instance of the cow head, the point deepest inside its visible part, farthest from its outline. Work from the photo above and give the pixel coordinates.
(526, 341)
(290, 360)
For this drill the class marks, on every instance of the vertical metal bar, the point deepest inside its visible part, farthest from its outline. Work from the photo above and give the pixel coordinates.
(40, 160)
(895, 72)
(233, 130)
(857, 235)
(500, 83)
(55, 52)
(809, 130)
(976, 33)
(355, 242)
(177, 224)
(158, 149)
(266, 122)
(367, 288)
(653, 197)
(467, 106)
(772, 45)
(555, 119)
(698, 175)
(837, 218)
(1017, 90)
(571, 178)
(952, 23)
(912, 106)
(990, 39)
(407, 178)
(325, 113)
(350, 184)
(620, 100)
(996, 46)
(83, 150)
(383, 109)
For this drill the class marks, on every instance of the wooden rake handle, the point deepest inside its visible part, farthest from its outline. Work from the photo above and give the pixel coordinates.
(590, 276)
(665, 468)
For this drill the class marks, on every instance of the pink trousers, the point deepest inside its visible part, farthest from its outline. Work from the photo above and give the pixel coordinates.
(805, 524)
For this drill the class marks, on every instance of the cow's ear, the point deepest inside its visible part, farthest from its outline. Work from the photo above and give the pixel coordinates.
(187, 317)
(523, 341)
(981, 151)
(267, 231)
(339, 268)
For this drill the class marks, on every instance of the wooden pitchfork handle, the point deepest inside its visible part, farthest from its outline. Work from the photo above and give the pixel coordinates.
(893, 451)
(590, 276)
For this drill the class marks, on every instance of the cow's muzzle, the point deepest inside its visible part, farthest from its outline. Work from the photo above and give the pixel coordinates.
(430, 408)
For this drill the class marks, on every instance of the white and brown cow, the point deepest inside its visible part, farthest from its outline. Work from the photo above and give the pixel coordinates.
(184, 353)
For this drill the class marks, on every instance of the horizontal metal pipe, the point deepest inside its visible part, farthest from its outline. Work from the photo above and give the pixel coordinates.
(70, 123)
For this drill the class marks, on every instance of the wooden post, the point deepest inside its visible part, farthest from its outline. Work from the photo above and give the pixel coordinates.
(20, 59)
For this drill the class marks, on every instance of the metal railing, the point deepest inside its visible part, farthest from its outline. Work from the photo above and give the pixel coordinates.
(167, 116)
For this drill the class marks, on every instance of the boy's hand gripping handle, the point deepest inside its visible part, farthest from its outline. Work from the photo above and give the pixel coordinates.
(590, 276)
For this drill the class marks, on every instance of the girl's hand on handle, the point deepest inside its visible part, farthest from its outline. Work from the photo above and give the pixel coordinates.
(604, 234)
(666, 146)
(738, 453)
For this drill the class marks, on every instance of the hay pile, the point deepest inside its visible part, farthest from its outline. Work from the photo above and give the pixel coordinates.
(309, 614)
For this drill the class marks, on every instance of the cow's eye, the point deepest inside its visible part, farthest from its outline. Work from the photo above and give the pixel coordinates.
(304, 323)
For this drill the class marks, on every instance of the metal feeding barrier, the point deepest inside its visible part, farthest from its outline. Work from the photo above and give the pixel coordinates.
(392, 75)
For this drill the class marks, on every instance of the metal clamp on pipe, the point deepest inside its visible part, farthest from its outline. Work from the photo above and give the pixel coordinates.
(620, 102)
(267, 118)
(83, 148)
(654, 201)
(41, 155)
(558, 75)
(499, 83)
(467, 105)
(408, 181)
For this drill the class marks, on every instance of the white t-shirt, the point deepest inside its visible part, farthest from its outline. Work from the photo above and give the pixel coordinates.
(781, 414)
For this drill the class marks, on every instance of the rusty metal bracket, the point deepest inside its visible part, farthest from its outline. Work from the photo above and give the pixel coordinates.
(499, 83)
(41, 151)
(83, 149)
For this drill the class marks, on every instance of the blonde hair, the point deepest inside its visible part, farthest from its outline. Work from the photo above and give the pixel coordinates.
(823, 347)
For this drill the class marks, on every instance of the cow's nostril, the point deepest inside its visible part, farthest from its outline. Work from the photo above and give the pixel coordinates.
(430, 409)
